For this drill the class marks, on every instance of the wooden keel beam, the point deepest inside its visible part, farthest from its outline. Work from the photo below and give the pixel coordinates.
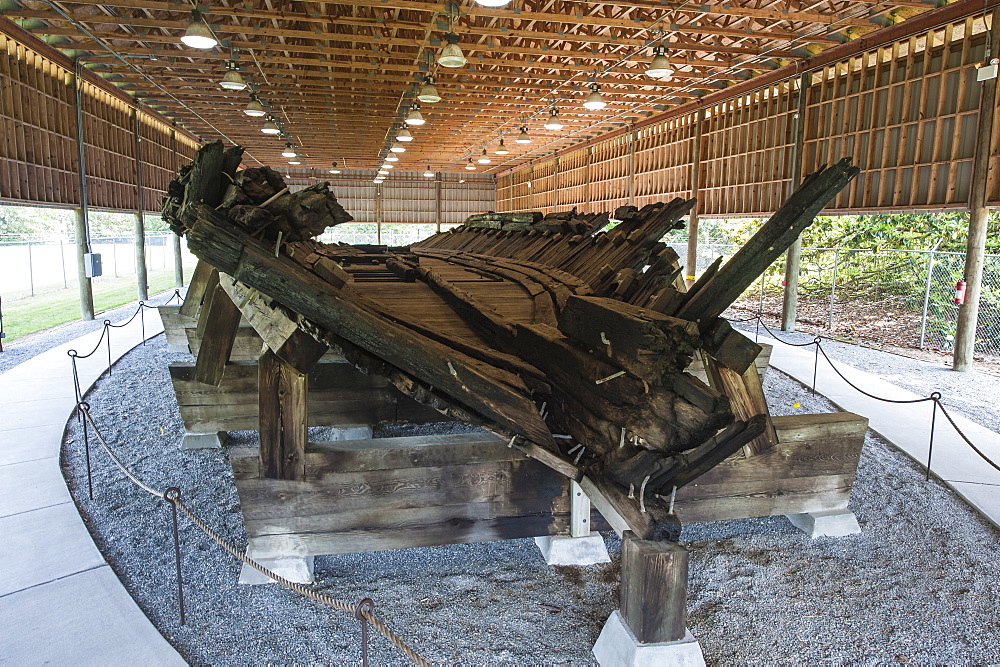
(284, 411)
(654, 589)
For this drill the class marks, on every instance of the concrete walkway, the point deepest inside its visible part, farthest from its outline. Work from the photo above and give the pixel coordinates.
(907, 426)
(60, 602)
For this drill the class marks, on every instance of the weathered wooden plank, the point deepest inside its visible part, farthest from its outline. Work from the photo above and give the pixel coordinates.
(283, 418)
(746, 399)
(221, 326)
(729, 347)
(654, 589)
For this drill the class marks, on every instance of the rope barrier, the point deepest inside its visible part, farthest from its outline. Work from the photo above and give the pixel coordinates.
(363, 611)
(935, 396)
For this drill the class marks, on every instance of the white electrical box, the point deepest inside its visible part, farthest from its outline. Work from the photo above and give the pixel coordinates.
(92, 267)
(986, 72)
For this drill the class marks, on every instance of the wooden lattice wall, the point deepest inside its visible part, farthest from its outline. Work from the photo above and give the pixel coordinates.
(906, 112)
(38, 151)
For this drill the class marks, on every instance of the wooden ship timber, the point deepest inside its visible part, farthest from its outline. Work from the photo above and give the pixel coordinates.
(571, 344)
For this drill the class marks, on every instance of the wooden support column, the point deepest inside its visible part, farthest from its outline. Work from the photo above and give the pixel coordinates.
(555, 184)
(793, 257)
(141, 278)
(178, 262)
(590, 153)
(378, 214)
(654, 589)
(437, 200)
(968, 313)
(691, 267)
(82, 230)
(283, 414)
(631, 168)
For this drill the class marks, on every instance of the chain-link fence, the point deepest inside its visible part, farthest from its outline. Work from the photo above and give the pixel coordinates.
(901, 297)
(32, 267)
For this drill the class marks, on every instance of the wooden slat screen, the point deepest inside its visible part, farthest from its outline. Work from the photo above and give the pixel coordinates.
(906, 112)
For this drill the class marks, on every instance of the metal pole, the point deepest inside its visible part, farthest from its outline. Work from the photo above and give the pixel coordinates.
(793, 258)
(968, 313)
(927, 299)
(82, 215)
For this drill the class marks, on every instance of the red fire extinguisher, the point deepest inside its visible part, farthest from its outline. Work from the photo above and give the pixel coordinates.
(960, 292)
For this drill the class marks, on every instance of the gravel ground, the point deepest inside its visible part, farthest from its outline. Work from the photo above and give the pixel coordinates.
(919, 585)
(973, 394)
(32, 345)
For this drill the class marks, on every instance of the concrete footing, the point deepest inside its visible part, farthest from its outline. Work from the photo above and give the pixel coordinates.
(832, 523)
(566, 550)
(203, 440)
(338, 433)
(617, 647)
(297, 569)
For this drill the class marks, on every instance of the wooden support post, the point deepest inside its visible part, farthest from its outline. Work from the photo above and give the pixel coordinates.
(793, 258)
(283, 413)
(654, 589)
(968, 313)
(378, 214)
(178, 263)
(141, 279)
(221, 324)
(82, 248)
(691, 267)
(631, 168)
(437, 200)
(590, 157)
(203, 275)
(555, 184)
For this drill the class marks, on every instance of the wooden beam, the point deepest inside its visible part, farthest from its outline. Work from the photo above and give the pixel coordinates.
(222, 323)
(284, 410)
(654, 589)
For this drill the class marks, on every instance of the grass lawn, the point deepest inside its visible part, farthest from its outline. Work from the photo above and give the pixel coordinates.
(26, 316)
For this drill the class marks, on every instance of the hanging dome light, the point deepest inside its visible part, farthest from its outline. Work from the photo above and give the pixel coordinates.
(388, 166)
(254, 109)
(414, 117)
(470, 166)
(391, 158)
(659, 66)
(594, 100)
(198, 35)
(294, 160)
(270, 127)
(492, 3)
(404, 135)
(553, 123)
(484, 158)
(429, 173)
(378, 180)
(383, 172)
(523, 137)
(289, 150)
(334, 171)
(501, 149)
(451, 54)
(397, 147)
(232, 80)
(429, 92)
